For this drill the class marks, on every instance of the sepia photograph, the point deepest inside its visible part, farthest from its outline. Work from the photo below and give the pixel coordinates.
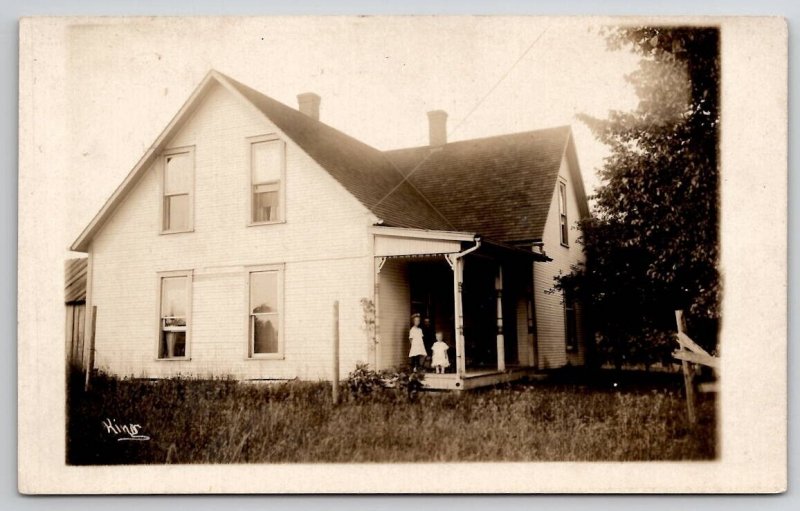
(370, 241)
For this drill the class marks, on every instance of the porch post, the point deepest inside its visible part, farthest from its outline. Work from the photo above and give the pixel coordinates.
(531, 330)
(375, 341)
(533, 322)
(458, 280)
(501, 343)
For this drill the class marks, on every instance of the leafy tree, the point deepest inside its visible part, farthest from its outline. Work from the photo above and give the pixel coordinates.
(652, 241)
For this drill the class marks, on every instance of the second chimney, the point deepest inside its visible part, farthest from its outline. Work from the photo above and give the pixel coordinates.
(437, 127)
(308, 103)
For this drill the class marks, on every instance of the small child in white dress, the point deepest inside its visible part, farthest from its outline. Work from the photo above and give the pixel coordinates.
(417, 353)
(439, 349)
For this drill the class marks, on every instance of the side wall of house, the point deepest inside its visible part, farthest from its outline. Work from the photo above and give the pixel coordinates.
(393, 315)
(524, 347)
(323, 247)
(550, 313)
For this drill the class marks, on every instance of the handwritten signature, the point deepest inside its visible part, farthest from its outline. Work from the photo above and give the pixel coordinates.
(125, 432)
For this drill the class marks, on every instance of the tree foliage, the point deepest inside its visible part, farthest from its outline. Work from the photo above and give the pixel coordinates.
(652, 241)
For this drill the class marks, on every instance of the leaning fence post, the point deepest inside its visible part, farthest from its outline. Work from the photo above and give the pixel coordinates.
(687, 371)
(335, 380)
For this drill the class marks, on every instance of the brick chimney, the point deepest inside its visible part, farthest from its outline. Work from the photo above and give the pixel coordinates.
(309, 104)
(437, 127)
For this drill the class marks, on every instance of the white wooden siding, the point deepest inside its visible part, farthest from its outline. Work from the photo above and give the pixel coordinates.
(524, 348)
(550, 318)
(324, 245)
(394, 245)
(394, 314)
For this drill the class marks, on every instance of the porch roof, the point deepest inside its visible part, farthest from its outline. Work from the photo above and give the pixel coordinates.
(503, 249)
(401, 242)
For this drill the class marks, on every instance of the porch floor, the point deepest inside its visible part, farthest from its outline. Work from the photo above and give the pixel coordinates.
(474, 379)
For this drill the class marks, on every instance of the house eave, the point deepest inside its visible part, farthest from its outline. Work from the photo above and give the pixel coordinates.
(487, 244)
(406, 232)
(515, 251)
(81, 244)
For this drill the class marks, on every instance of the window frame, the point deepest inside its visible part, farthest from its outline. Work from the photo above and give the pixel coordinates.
(249, 348)
(563, 222)
(250, 142)
(190, 150)
(160, 276)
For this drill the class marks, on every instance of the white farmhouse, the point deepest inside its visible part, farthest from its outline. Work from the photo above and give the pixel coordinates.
(223, 251)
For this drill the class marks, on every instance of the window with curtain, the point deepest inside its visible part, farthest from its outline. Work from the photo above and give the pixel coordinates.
(265, 313)
(266, 160)
(174, 317)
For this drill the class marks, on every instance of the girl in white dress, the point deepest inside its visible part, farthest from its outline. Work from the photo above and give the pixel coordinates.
(417, 353)
(439, 349)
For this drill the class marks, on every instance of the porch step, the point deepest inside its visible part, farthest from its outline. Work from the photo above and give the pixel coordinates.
(477, 379)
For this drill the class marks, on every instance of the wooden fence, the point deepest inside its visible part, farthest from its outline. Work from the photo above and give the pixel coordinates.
(75, 305)
(75, 328)
(689, 352)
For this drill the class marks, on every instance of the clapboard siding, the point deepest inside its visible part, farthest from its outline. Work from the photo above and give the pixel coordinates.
(323, 246)
(524, 348)
(395, 245)
(550, 317)
(394, 314)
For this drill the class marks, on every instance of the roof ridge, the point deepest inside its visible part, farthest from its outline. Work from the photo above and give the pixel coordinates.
(480, 139)
(296, 113)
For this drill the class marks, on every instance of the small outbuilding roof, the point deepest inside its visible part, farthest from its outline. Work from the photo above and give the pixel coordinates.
(75, 280)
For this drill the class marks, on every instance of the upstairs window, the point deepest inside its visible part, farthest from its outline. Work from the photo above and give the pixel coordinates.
(562, 213)
(175, 307)
(266, 180)
(177, 187)
(265, 335)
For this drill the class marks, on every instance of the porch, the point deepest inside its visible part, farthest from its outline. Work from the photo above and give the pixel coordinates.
(475, 293)
(475, 378)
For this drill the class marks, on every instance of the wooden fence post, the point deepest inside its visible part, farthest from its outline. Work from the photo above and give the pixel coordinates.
(335, 380)
(90, 364)
(687, 372)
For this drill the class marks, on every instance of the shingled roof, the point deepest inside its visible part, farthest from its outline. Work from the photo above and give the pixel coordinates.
(500, 187)
(363, 170)
(75, 280)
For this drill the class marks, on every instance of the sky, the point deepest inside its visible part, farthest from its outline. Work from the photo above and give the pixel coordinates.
(378, 78)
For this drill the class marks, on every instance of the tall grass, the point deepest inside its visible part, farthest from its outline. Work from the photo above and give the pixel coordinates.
(219, 421)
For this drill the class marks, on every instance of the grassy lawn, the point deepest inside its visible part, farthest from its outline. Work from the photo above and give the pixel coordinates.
(194, 421)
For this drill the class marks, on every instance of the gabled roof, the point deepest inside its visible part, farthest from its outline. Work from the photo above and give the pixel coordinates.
(501, 187)
(362, 170)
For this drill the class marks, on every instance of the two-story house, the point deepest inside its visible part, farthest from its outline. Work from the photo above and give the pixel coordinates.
(224, 249)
